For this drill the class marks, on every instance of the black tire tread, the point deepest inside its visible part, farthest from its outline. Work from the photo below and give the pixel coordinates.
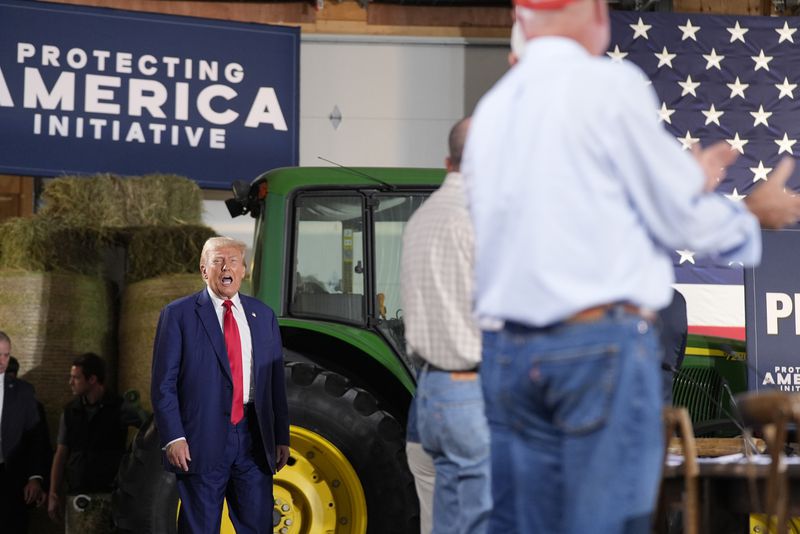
(372, 439)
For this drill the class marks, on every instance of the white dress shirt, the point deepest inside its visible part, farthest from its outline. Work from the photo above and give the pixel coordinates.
(578, 195)
(244, 335)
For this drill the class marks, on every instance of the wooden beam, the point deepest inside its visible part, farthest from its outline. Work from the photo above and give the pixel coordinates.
(724, 7)
(345, 17)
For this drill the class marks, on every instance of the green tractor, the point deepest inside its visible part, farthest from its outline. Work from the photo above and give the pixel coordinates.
(326, 259)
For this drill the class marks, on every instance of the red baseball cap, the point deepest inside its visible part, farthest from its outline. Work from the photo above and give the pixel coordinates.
(542, 4)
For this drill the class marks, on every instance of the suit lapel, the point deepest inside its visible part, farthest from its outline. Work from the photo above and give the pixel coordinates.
(208, 316)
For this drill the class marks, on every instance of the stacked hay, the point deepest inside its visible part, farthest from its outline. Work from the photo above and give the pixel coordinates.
(154, 251)
(141, 305)
(109, 201)
(44, 244)
(52, 317)
(58, 302)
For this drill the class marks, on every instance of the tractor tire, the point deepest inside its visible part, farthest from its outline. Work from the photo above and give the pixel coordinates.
(347, 472)
(146, 498)
(330, 414)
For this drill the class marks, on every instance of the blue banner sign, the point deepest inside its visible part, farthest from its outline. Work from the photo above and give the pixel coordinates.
(772, 312)
(87, 90)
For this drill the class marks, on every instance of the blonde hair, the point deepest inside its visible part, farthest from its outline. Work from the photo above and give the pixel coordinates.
(216, 243)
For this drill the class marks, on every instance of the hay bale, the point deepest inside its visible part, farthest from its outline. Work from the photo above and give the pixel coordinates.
(141, 305)
(110, 201)
(51, 318)
(160, 250)
(46, 244)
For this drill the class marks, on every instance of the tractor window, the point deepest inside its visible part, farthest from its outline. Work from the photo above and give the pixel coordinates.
(391, 215)
(328, 278)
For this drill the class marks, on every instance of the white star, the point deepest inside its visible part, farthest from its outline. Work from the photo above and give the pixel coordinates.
(737, 143)
(785, 144)
(762, 61)
(689, 86)
(687, 141)
(785, 33)
(738, 88)
(760, 172)
(616, 55)
(735, 196)
(737, 32)
(712, 115)
(786, 88)
(761, 116)
(640, 29)
(689, 31)
(664, 114)
(686, 255)
(665, 58)
(713, 60)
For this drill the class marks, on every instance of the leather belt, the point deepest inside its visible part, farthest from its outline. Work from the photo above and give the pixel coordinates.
(596, 313)
(456, 374)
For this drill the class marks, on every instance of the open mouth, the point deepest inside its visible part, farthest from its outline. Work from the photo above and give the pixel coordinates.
(227, 280)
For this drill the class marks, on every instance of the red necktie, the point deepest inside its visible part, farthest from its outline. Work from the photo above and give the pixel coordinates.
(234, 345)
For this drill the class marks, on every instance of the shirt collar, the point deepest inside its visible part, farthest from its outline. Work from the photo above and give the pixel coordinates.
(218, 301)
(552, 45)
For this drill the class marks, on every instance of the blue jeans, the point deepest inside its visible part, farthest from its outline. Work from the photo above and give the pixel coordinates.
(503, 516)
(576, 409)
(453, 430)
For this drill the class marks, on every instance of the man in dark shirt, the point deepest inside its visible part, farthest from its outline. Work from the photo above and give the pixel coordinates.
(91, 436)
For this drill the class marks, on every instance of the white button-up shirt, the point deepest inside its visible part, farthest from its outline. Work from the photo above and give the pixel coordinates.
(578, 195)
(244, 334)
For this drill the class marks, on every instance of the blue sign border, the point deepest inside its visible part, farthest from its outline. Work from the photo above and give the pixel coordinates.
(248, 151)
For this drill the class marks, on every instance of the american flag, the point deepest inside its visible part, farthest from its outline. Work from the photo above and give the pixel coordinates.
(719, 78)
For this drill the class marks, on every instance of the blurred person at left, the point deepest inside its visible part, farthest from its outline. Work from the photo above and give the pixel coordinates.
(23, 448)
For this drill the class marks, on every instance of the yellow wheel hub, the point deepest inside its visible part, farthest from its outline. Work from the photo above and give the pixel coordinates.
(318, 492)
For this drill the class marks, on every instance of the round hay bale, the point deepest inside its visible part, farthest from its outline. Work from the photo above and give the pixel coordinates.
(159, 250)
(51, 318)
(109, 201)
(141, 305)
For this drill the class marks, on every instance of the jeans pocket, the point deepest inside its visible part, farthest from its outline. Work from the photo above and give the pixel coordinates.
(464, 431)
(581, 387)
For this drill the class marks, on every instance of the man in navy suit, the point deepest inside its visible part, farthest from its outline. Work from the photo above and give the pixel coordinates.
(219, 397)
(23, 450)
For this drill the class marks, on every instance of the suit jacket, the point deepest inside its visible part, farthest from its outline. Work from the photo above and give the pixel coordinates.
(191, 388)
(673, 332)
(25, 447)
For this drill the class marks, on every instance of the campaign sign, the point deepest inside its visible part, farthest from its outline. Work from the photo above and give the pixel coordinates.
(772, 312)
(87, 90)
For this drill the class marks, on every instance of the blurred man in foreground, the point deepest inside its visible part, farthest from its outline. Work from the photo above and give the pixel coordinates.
(578, 195)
